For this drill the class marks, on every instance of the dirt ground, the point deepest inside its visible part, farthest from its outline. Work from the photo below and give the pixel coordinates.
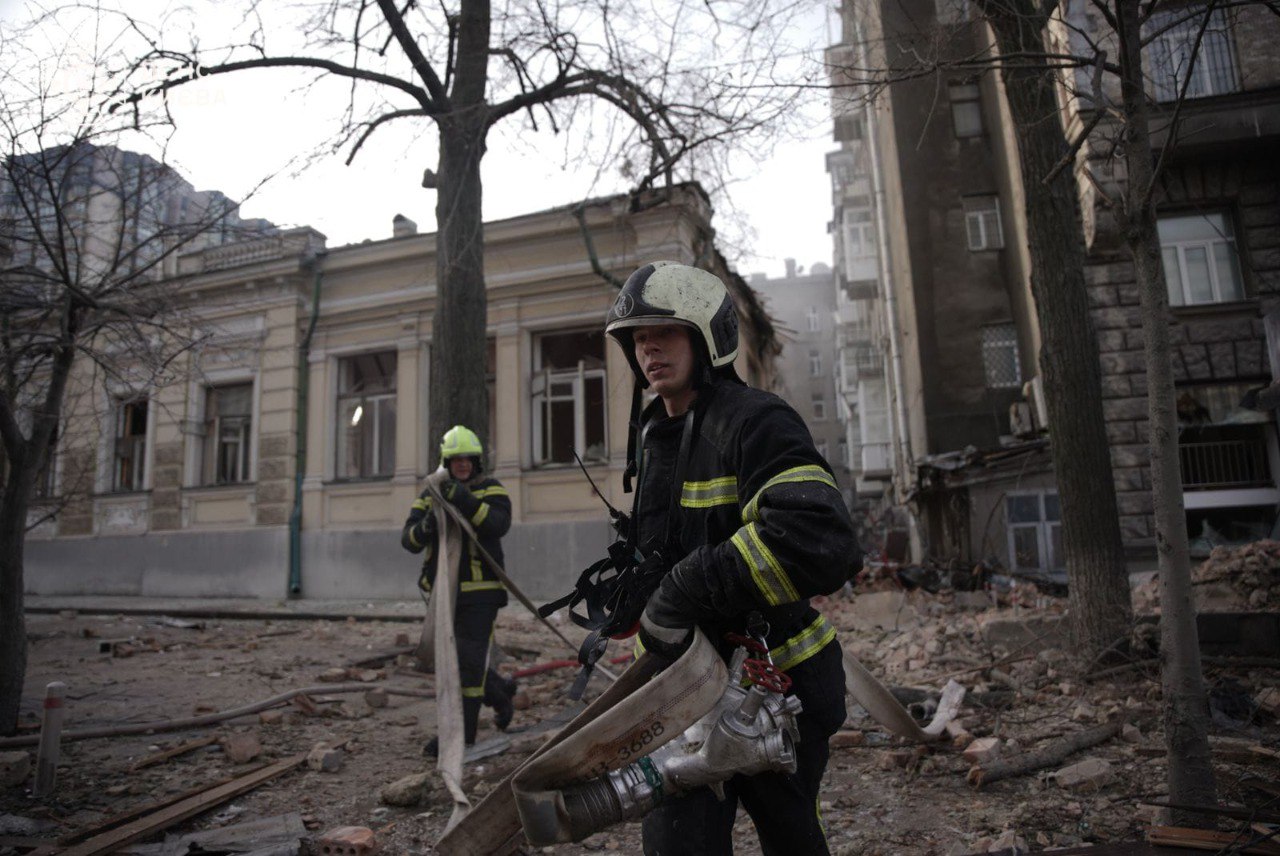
(879, 797)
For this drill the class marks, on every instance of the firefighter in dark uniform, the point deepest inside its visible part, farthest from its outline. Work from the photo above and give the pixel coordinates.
(735, 497)
(487, 505)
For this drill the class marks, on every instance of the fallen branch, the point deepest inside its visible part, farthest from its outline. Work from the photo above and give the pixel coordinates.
(1053, 753)
(189, 722)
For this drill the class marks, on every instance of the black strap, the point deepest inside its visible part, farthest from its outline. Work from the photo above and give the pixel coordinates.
(670, 540)
(633, 425)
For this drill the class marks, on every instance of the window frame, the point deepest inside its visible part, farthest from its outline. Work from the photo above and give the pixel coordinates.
(1172, 33)
(814, 320)
(980, 217)
(371, 402)
(122, 408)
(1209, 245)
(819, 404)
(1047, 559)
(541, 391)
(815, 362)
(1011, 341)
(211, 442)
(963, 95)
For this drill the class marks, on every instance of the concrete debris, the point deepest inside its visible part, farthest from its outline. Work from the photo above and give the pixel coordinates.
(348, 841)
(982, 750)
(1243, 578)
(14, 768)
(409, 791)
(324, 758)
(241, 747)
(271, 717)
(376, 698)
(1088, 776)
(332, 676)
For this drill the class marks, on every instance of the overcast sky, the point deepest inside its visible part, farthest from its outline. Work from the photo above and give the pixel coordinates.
(234, 129)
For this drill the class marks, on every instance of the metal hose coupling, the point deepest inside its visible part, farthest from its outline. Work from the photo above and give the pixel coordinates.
(750, 730)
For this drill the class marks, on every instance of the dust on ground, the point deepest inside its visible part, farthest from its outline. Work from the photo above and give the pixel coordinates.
(879, 796)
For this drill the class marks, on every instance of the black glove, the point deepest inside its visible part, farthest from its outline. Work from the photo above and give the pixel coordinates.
(666, 627)
(460, 496)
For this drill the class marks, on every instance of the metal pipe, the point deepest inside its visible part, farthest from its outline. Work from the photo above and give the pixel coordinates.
(300, 429)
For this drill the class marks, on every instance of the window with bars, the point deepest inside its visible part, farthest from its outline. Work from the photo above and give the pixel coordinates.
(129, 457)
(1200, 260)
(569, 397)
(366, 415)
(228, 420)
(982, 223)
(1174, 58)
(966, 110)
(1034, 521)
(1000, 356)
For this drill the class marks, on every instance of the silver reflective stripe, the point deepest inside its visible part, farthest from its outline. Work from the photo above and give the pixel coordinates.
(706, 494)
(772, 582)
(804, 644)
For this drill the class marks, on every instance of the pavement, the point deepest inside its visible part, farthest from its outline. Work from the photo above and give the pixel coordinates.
(249, 608)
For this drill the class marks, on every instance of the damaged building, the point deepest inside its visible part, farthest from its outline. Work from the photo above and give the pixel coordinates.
(939, 344)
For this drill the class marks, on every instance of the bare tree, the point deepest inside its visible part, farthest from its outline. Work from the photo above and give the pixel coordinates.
(88, 240)
(656, 92)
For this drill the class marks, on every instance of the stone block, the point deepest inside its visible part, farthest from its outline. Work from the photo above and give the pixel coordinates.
(1122, 362)
(1138, 383)
(323, 758)
(1122, 432)
(1124, 408)
(1088, 776)
(1135, 502)
(1128, 478)
(982, 750)
(273, 468)
(14, 768)
(168, 454)
(242, 747)
(273, 491)
(1137, 455)
(1129, 296)
(1250, 358)
(1263, 236)
(167, 518)
(1220, 330)
(408, 791)
(275, 446)
(1102, 295)
(1195, 359)
(1111, 318)
(1112, 340)
(273, 515)
(1115, 386)
(1134, 527)
(1222, 359)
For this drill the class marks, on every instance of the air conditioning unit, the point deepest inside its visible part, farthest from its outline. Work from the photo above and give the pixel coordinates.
(1021, 425)
(1033, 392)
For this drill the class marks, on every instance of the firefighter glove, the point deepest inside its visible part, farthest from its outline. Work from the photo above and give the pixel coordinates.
(460, 496)
(666, 627)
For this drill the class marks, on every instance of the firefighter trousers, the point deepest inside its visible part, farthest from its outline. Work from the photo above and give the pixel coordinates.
(473, 629)
(784, 807)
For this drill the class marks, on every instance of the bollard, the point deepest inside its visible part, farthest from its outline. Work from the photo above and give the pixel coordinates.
(50, 740)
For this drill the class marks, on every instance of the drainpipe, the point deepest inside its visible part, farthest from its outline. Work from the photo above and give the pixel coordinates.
(891, 307)
(300, 430)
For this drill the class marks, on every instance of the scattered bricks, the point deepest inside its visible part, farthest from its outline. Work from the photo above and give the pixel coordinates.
(271, 717)
(304, 704)
(982, 750)
(348, 841)
(241, 748)
(365, 676)
(376, 698)
(14, 768)
(408, 791)
(403, 640)
(323, 758)
(1088, 776)
(1009, 840)
(333, 676)
(846, 739)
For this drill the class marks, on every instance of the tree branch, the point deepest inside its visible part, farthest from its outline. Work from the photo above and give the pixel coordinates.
(373, 126)
(439, 97)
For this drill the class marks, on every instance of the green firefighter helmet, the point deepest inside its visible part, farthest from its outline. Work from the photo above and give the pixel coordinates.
(460, 441)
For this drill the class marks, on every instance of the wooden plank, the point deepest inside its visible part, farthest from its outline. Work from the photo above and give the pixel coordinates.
(110, 841)
(1204, 839)
(180, 749)
(144, 808)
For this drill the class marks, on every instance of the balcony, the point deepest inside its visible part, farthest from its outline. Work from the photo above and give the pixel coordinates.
(1225, 465)
(860, 280)
(876, 461)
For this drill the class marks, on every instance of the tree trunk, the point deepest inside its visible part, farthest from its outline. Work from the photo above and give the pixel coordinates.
(458, 343)
(1186, 707)
(13, 628)
(1099, 584)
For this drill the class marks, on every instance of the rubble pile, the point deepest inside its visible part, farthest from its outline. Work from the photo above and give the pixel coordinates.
(1244, 578)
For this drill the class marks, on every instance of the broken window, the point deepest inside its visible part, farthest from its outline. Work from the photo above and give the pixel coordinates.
(228, 419)
(1035, 532)
(569, 401)
(129, 457)
(367, 415)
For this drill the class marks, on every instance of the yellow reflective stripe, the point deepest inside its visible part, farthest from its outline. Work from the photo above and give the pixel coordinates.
(477, 569)
(496, 490)
(481, 585)
(422, 504)
(638, 648)
(705, 494)
(822, 825)
(770, 579)
(481, 513)
(809, 472)
(412, 539)
(804, 644)
(424, 583)
(473, 692)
